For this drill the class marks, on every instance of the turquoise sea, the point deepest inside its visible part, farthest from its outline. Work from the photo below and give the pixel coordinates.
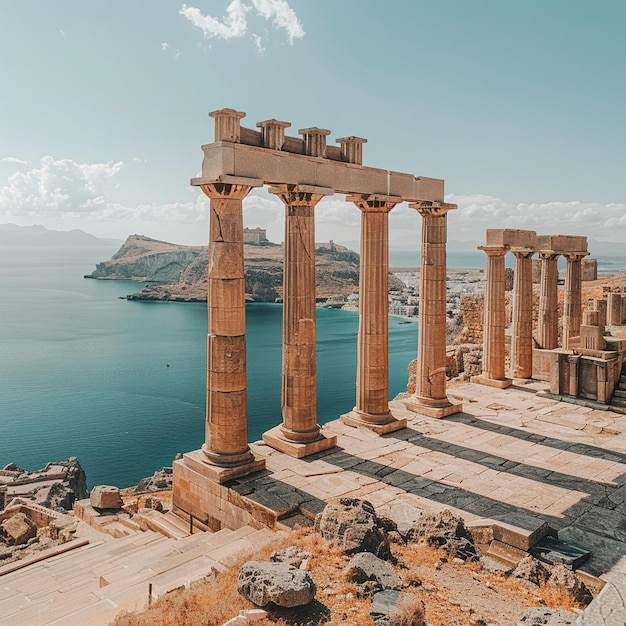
(84, 373)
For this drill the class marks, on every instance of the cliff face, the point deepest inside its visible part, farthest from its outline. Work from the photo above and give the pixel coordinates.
(147, 260)
(181, 271)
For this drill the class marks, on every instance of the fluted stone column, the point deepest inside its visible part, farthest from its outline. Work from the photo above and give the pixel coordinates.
(572, 304)
(226, 442)
(548, 320)
(494, 321)
(372, 383)
(430, 386)
(522, 338)
(299, 435)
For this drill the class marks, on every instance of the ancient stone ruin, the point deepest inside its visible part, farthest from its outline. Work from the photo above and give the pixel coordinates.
(301, 171)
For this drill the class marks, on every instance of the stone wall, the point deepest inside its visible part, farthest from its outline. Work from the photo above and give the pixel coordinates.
(472, 306)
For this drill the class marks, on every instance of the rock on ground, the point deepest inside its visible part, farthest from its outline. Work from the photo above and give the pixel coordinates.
(106, 497)
(293, 555)
(354, 526)
(541, 616)
(394, 608)
(17, 529)
(565, 579)
(532, 570)
(444, 529)
(279, 583)
(367, 567)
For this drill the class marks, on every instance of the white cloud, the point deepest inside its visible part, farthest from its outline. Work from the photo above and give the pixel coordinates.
(66, 189)
(165, 46)
(62, 32)
(478, 212)
(235, 22)
(11, 159)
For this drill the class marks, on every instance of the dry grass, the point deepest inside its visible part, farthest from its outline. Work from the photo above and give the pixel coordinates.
(442, 593)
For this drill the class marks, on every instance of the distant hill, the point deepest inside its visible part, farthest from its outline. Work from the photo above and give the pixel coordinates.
(14, 235)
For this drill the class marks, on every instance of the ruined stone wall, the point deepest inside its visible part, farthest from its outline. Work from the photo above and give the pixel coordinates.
(472, 306)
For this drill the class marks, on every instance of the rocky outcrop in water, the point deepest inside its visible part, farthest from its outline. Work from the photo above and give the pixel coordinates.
(179, 273)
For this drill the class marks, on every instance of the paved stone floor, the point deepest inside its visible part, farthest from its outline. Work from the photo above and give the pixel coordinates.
(511, 454)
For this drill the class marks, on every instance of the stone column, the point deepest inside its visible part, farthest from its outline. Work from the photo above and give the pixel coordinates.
(548, 320)
(430, 386)
(226, 444)
(614, 309)
(494, 321)
(522, 339)
(299, 435)
(372, 383)
(572, 304)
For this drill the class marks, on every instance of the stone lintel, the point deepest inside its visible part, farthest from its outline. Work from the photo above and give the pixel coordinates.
(499, 383)
(437, 412)
(217, 474)
(562, 244)
(223, 160)
(511, 238)
(355, 420)
(274, 439)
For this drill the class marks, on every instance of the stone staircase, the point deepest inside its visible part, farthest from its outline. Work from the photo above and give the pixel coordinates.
(619, 395)
(92, 583)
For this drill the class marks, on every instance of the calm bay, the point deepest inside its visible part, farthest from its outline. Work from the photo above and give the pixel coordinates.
(121, 384)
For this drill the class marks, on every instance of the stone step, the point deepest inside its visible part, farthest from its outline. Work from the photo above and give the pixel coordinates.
(167, 524)
(620, 393)
(91, 584)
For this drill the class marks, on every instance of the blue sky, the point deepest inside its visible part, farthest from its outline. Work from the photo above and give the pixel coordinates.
(518, 105)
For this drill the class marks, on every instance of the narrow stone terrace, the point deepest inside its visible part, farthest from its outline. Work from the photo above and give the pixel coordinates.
(511, 454)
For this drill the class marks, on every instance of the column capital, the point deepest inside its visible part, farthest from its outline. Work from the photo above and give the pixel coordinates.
(300, 195)
(228, 191)
(374, 203)
(427, 208)
(575, 256)
(523, 253)
(494, 250)
(549, 255)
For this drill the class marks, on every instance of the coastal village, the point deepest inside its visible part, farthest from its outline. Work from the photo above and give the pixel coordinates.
(491, 492)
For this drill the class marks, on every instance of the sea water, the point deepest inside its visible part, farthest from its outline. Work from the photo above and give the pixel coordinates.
(121, 384)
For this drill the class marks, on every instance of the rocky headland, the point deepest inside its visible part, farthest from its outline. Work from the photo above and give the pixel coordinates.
(179, 273)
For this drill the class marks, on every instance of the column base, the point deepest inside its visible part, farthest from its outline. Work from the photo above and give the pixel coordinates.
(275, 439)
(198, 461)
(355, 419)
(499, 383)
(432, 408)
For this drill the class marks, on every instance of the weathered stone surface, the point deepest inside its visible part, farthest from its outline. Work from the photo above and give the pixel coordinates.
(404, 516)
(153, 503)
(608, 608)
(279, 583)
(106, 497)
(17, 530)
(159, 481)
(553, 550)
(293, 555)
(444, 529)
(565, 579)
(532, 570)
(365, 567)
(388, 605)
(542, 616)
(354, 526)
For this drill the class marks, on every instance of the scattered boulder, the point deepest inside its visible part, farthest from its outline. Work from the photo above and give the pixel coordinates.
(404, 516)
(106, 497)
(279, 583)
(397, 608)
(354, 526)
(532, 570)
(542, 616)
(17, 530)
(365, 567)
(565, 579)
(445, 530)
(153, 503)
(293, 555)
(161, 480)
